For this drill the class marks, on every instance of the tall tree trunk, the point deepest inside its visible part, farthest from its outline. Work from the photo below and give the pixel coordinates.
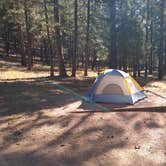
(49, 47)
(135, 70)
(151, 50)
(151, 44)
(7, 42)
(124, 63)
(147, 40)
(41, 51)
(58, 42)
(165, 53)
(74, 58)
(27, 24)
(45, 52)
(50, 54)
(161, 47)
(87, 40)
(165, 45)
(138, 69)
(135, 65)
(21, 43)
(70, 50)
(113, 51)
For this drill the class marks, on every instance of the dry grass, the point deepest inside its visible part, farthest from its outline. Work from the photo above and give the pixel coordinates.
(13, 70)
(157, 86)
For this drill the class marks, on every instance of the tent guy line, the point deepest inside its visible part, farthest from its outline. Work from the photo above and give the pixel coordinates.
(155, 94)
(85, 99)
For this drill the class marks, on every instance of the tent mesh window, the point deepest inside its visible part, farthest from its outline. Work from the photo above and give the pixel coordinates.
(113, 89)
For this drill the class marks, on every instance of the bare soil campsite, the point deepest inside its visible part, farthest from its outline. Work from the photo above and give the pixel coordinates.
(42, 125)
(82, 82)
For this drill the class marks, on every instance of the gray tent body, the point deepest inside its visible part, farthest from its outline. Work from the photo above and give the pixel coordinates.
(114, 98)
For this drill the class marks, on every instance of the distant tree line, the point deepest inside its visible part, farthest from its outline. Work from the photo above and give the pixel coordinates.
(124, 34)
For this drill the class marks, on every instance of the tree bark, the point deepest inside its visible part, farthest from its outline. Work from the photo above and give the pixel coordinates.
(6, 37)
(161, 47)
(138, 69)
(147, 40)
(50, 54)
(45, 52)
(151, 46)
(27, 24)
(21, 43)
(74, 58)
(58, 42)
(87, 40)
(165, 54)
(135, 67)
(113, 51)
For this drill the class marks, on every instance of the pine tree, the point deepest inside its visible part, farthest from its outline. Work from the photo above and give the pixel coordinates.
(113, 31)
(74, 57)
(161, 46)
(87, 40)
(58, 42)
(28, 34)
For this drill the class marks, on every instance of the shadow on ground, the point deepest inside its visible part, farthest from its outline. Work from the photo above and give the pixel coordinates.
(34, 136)
(38, 128)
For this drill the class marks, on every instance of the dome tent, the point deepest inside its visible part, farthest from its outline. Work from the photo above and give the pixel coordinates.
(116, 86)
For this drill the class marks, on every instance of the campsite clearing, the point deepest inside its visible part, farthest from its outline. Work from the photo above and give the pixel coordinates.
(41, 125)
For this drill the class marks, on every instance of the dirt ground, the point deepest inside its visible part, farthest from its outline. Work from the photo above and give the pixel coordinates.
(41, 125)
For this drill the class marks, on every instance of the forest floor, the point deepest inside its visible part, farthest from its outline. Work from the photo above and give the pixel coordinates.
(42, 125)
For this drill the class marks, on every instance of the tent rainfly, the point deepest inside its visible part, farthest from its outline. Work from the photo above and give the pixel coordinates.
(116, 86)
